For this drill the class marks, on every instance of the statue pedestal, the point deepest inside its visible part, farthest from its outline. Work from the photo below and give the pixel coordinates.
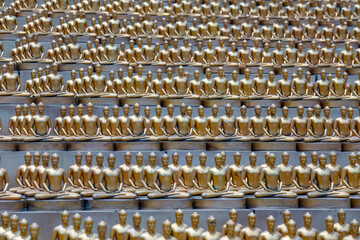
(178, 101)
(15, 100)
(12, 205)
(165, 203)
(7, 146)
(350, 147)
(54, 204)
(355, 201)
(273, 146)
(101, 204)
(219, 203)
(141, 101)
(41, 146)
(263, 103)
(340, 103)
(304, 103)
(137, 146)
(99, 146)
(326, 202)
(183, 145)
(220, 102)
(319, 146)
(253, 202)
(55, 100)
(99, 101)
(229, 146)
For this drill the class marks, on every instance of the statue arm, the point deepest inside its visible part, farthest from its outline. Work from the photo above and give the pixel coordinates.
(69, 174)
(101, 182)
(180, 179)
(293, 179)
(336, 128)
(32, 127)
(43, 182)
(173, 178)
(310, 132)
(130, 179)
(265, 127)
(89, 180)
(63, 178)
(155, 182)
(208, 182)
(49, 127)
(81, 127)
(79, 178)
(26, 179)
(194, 180)
(6, 179)
(54, 234)
(262, 178)
(344, 180)
(11, 125)
(312, 181)
(18, 83)
(18, 178)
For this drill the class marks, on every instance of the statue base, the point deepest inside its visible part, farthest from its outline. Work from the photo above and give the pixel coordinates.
(55, 100)
(183, 145)
(219, 203)
(99, 101)
(229, 146)
(137, 146)
(263, 103)
(101, 204)
(99, 146)
(304, 103)
(326, 202)
(53, 204)
(273, 146)
(220, 102)
(12, 205)
(15, 100)
(142, 101)
(41, 146)
(340, 103)
(319, 146)
(8, 146)
(253, 202)
(178, 101)
(351, 147)
(355, 201)
(165, 203)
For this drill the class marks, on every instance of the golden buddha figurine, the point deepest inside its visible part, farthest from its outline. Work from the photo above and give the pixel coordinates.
(251, 231)
(10, 80)
(20, 175)
(307, 231)
(271, 181)
(341, 227)
(336, 171)
(136, 230)
(271, 125)
(354, 230)
(136, 176)
(111, 182)
(75, 230)
(210, 233)
(54, 182)
(350, 174)
(120, 230)
(60, 230)
(292, 230)
(329, 233)
(5, 219)
(219, 181)
(251, 175)
(165, 182)
(178, 227)
(14, 228)
(270, 233)
(72, 174)
(101, 229)
(167, 234)
(150, 233)
(193, 231)
(233, 215)
(301, 176)
(87, 234)
(286, 171)
(324, 186)
(282, 228)
(230, 231)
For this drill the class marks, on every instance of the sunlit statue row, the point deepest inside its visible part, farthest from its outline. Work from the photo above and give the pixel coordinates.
(317, 179)
(300, 86)
(232, 8)
(232, 229)
(175, 27)
(15, 229)
(107, 52)
(25, 126)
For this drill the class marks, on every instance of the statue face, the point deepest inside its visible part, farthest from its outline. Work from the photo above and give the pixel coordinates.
(307, 220)
(271, 224)
(165, 161)
(77, 221)
(111, 161)
(137, 220)
(122, 217)
(252, 220)
(151, 225)
(303, 159)
(214, 110)
(65, 218)
(88, 226)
